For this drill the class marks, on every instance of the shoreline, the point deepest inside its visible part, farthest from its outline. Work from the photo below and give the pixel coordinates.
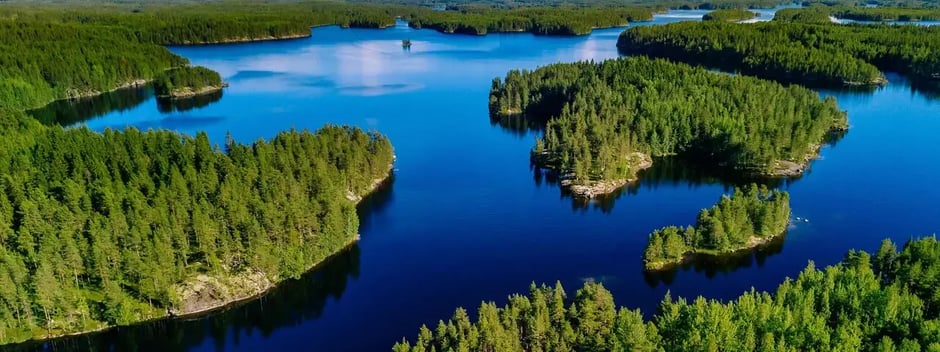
(665, 265)
(599, 188)
(226, 303)
(188, 92)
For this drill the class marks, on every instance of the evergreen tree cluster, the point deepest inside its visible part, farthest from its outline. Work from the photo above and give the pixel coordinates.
(812, 15)
(884, 303)
(751, 216)
(888, 14)
(478, 20)
(816, 14)
(729, 15)
(102, 229)
(193, 78)
(44, 61)
(65, 51)
(807, 54)
(598, 115)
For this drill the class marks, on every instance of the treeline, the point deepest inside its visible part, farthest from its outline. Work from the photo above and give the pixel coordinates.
(106, 229)
(729, 15)
(883, 303)
(186, 78)
(887, 14)
(815, 55)
(44, 61)
(811, 15)
(537, 20)
(596, 115)
(212, 23)
(751, 216)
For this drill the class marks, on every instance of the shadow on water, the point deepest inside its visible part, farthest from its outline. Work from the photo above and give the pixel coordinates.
(714, 265)
(167, 106)
(291, 303)
(72, 111)
(666, 171)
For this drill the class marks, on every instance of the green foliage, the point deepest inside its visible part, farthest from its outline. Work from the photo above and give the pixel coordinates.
(101, 229)
(751, 216)
(811, 15)
(903, 14)
(808, 54)
(729, 15)
(193, 78)
(598, 115)
(537, 20)
(846, 307)
(44, 61)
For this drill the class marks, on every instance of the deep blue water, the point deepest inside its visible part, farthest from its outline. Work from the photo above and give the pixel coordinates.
(466, 219)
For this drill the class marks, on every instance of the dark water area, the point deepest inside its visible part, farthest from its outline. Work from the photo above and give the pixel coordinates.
(468, 219)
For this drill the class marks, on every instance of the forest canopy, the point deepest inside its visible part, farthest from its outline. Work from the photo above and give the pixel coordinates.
(186, 79)
(885, 302)
(537, 20)
(596, 115)
(807, 54)
(729, 15)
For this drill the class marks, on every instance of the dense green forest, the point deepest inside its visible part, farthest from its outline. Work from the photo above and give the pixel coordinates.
(888, 14)
(815, 55)
(751, 216)
(598, 115)
(821, 14)
(729, 15)
(186, 80)
(888, 302)
(108, 229)
(537, 20)
(213, 22)
(811, 15)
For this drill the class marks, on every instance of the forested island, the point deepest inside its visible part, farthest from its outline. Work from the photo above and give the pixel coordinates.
(114, 228)
(751, 216)
(807, 54)
(603, 121)
(729, 15)
(885, 302)
(186, 82)
(477, 20)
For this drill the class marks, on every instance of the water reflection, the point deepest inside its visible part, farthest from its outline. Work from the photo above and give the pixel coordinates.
(711, 266)
(290, 304)
(665, 172)
(167, 106)
(72, 111)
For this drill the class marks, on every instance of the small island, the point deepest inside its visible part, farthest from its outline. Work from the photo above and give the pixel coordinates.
(604, 122)
(729, 15)
(187, 82)
(750, 217)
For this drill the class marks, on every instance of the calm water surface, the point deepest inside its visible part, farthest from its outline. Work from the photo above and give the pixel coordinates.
(466, 219)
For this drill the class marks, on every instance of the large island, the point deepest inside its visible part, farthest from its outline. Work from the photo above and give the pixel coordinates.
(605, 121)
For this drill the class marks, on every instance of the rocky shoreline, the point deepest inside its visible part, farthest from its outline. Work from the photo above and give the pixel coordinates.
(189, 92)
(592, 189)
(204, 293)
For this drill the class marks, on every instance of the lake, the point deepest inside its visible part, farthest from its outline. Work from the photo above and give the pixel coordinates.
(466, 219)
